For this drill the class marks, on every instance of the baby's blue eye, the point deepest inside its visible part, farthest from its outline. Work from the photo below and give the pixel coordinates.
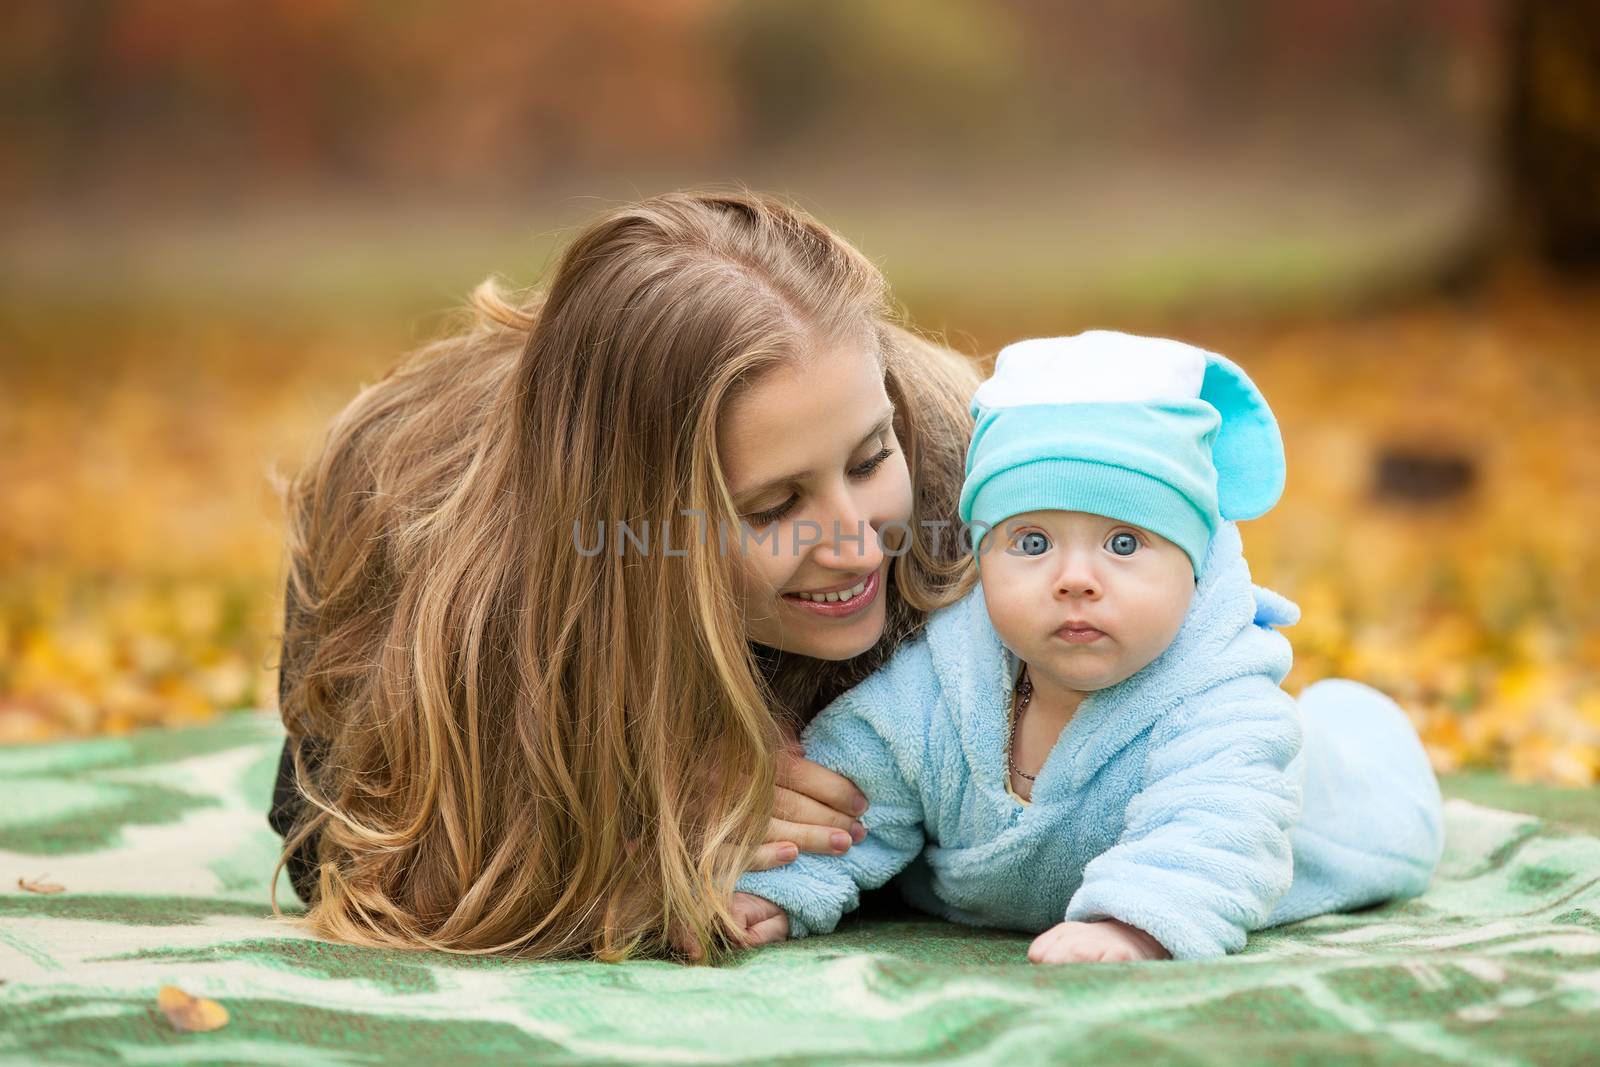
(1033, 543)
(1123, 544)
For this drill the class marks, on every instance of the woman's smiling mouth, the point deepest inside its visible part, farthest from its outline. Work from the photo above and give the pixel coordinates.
(836, 603)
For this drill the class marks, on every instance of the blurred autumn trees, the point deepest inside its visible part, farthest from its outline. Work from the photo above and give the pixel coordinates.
(174, 99)
(348, 91)
(1553, 132)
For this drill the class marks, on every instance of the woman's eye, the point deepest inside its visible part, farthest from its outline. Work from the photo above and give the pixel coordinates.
(1123, 544)
(772, 515)
(862, 470)
(1033, 543)
(866, 469)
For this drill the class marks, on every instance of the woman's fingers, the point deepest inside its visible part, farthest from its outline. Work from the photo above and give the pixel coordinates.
(774, 854)
(814, 809)
(823, 839)
(813, 780)
(797, 807)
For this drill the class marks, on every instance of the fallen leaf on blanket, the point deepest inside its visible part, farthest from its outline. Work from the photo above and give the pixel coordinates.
(187, 1013)
(39, 885)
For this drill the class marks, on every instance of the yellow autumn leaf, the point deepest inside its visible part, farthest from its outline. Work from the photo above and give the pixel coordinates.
(189, 1013)
(39, 885)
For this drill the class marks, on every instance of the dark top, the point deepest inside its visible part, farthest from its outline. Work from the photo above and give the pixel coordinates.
(287, 803)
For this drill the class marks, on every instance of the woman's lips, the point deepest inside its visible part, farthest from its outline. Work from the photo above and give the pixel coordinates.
(839, 609)
(1079, 635)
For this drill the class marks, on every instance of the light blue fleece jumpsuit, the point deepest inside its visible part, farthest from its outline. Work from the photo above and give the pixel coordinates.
(1195, 800)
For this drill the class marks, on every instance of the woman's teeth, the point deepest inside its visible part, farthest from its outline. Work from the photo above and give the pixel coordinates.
(834, 598)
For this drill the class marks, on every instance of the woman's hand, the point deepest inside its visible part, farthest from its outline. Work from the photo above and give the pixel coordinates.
(761, 922)
(1102, 941)
(815, 811)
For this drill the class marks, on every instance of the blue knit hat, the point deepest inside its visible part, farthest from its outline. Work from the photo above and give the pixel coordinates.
(1156, 433)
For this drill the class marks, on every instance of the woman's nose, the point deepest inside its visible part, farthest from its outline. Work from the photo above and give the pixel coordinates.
(848, 540)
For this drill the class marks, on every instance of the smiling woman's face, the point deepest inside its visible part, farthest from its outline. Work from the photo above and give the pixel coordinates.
(810, 455)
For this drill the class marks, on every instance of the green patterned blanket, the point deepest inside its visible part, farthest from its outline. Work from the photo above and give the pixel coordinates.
(160, 845)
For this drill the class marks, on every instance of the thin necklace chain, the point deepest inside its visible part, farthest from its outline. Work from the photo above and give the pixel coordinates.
(1024, 694)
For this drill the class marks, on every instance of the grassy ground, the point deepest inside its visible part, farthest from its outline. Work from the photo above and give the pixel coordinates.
(1575, 806)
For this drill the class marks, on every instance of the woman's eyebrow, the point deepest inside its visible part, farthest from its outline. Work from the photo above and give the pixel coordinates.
(884, 422)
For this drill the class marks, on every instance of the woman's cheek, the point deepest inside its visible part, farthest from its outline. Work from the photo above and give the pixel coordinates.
(761, 573)
(895, 502)
(769, 575)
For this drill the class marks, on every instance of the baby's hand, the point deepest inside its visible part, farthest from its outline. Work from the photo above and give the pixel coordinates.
(761, 922)
(1102, 941)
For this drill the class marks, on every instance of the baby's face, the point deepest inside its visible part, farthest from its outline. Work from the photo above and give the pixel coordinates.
(1048, 573)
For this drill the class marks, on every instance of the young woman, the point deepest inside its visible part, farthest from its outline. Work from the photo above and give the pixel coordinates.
(540, 687)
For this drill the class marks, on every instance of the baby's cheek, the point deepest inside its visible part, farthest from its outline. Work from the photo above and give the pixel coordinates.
(1009, 612)
(1159, 626)
(1175, 607)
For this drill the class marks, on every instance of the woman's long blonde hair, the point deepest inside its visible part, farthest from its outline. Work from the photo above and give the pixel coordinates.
(538, 751)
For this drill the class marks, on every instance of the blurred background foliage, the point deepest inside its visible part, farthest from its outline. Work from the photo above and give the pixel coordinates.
(221, 219)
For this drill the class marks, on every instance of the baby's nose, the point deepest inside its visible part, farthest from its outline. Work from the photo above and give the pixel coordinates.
(1077, 580)
(1082, 589)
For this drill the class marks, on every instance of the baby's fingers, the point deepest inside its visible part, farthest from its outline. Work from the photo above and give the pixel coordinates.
(768, 931)
(749, 908)
(1049, 947)
(760, 921)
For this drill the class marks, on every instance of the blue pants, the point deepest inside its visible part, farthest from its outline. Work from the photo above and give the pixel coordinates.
(1341, 861)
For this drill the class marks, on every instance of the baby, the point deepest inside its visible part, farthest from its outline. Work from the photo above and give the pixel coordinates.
(1093, 745)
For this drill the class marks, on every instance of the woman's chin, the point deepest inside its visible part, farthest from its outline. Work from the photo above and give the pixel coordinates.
(839, 652)
(835, 639)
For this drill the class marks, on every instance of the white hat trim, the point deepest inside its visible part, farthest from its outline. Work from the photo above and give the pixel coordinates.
(1097, 366)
